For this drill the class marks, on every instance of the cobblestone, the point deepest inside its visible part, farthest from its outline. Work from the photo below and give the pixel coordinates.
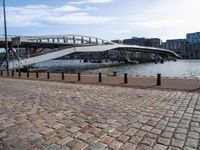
(50, 115)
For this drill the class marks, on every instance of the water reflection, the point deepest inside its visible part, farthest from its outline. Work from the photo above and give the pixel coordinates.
(180, 68)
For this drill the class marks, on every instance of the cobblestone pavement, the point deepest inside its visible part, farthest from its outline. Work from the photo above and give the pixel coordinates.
(50, 116)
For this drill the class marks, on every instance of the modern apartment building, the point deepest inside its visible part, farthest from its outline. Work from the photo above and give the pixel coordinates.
(176, 45)
(193, 45)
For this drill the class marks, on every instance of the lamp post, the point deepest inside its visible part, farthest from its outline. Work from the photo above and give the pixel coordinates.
(6, 38)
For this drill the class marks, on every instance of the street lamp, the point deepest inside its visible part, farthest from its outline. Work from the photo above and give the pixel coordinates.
(6, 38)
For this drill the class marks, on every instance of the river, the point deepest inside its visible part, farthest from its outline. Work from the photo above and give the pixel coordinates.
(180, 68)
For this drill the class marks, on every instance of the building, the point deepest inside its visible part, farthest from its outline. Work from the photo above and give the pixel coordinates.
(117, 41)
(193, 45)
(176, 45)
(152, 42)
(193, 38)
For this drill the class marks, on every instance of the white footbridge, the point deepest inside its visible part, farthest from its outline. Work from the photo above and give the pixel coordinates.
(63, 45)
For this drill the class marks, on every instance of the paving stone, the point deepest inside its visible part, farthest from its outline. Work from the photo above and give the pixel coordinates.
(97, 146)
(47, 133)
(77, 144)
(144, 147)
(130, 132)
(128, 146)
(163, 141)
(167, 134)
(146, 128)
(193, 135)
(72, 116)
(173, 148)
(135, 139)
(64, 141)
(181, 130)
(52, 147)
(159, 147)
(73, 129)
(36, 137)
(115, 145)
(177, 143)
(106, 139)
(115, 133)
(180, 136)
(156, 131)
(192, 142)
(148, 141)
(188, 148)
(123, 138)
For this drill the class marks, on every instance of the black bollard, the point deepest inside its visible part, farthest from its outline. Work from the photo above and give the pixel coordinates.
(63, 76)
(37, 75)
(48, 75)
(79, 76)
(158, 79)
(1, 72)
(100, 77)
(19, 73)
(13, 73)
(125, 78)
(27, 74)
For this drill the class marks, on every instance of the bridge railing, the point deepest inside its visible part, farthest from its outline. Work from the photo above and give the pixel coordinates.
(65, 39)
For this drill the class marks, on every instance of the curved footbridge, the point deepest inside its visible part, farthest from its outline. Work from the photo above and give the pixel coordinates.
(62, 45)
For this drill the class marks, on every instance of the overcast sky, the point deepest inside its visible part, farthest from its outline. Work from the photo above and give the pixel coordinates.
(108, 19)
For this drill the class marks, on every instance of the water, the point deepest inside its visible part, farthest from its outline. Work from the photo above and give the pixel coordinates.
(180, 68)
(70, 66)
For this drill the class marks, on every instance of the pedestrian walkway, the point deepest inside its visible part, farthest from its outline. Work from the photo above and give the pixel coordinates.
(55, 115)
(144, 82)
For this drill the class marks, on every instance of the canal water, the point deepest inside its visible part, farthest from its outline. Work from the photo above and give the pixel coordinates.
(180, 68)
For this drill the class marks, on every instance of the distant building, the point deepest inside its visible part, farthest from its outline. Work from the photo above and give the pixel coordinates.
(152, 42)
(176, 45)
(193, 38)
(117, 41)
(193, 45)
(136, 41)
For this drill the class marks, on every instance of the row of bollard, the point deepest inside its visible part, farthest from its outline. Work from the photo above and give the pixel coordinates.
(79, 76)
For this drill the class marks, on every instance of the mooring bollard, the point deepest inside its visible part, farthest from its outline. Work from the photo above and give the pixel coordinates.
(100, 77)
(19, 73)
(114, 73)
(79, 76)
(13, 73)
(63, 76)
(27, 74)
(1, 72)
(158, 79)
(48, 75)
(125, 78)
(37, 75)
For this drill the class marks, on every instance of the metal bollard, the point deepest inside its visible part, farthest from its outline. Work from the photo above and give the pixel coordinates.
(158, 79)
(37, 75)
(27, 74)
(100, 77)
(48, 75)
(19, 73)
(125, 78)
(79, 76)
(114, 73)
(13, 73)
(63, 76)
(1, 72)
